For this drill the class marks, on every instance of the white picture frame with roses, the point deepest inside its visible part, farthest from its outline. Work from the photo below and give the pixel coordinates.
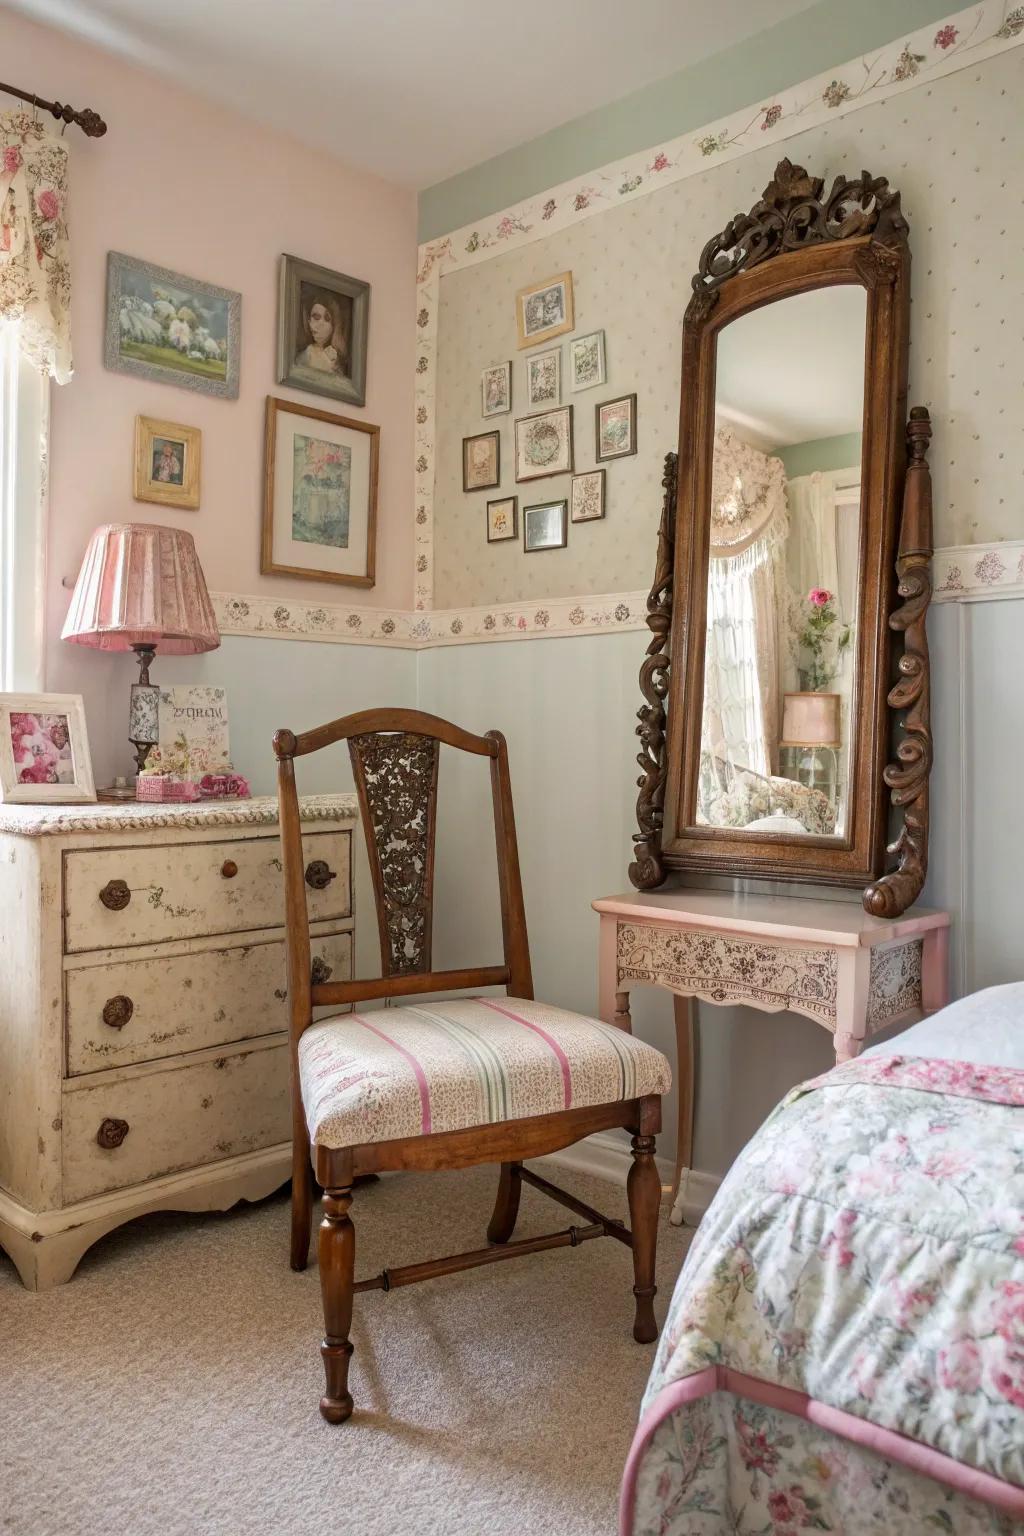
(44, 750)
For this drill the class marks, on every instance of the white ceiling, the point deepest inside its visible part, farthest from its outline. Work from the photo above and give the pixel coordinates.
(793, 371)
(413, 90)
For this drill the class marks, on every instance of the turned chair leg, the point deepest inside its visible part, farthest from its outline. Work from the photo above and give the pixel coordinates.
(644, 1190)
(337, 1261)
(302, 1199)
(506, 1206)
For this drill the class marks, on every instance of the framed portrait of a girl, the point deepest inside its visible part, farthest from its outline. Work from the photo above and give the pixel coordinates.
(322, 328)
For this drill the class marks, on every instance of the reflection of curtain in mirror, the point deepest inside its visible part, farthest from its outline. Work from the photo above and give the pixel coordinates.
(742, 696)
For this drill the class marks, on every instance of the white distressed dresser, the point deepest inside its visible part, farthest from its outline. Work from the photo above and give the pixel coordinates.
(143, 1020)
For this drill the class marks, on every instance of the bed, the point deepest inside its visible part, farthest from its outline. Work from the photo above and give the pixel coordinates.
(844, 1350)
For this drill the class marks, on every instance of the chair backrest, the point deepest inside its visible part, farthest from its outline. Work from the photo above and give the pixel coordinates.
(395, 757)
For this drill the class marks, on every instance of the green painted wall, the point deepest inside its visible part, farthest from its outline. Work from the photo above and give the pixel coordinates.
(823, 453)
(829, 33)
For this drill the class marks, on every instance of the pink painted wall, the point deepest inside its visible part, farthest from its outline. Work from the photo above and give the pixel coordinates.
(179, 182)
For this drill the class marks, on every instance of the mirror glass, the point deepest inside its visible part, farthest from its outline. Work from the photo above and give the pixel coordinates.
(783, 577)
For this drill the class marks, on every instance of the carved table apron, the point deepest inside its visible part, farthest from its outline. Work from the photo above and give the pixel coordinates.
(851, 973)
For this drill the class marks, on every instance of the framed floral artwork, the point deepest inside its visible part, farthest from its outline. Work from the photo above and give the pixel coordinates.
(481, 461)
(544, 444)
(44, 750)
(544, 378)
(615, 423)
(167, 462)
(586, 499)
(502, 519)
(172, 329)
(545, 526)
(586, 360)
(323, 325)
(319, 495)
(544, 310)
(496, 390)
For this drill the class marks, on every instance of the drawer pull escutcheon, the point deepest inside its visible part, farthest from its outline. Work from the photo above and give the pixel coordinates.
(229, 869)
(319, 874)
(115, 895)
(111, 1134)
(320, 971)
(117, 1011)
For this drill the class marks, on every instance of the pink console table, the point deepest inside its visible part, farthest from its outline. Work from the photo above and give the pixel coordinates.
(853, 974)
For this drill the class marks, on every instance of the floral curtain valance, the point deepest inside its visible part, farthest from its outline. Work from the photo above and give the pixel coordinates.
(35, 279)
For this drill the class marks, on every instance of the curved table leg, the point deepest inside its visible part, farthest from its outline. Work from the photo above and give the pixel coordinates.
(685, 1009)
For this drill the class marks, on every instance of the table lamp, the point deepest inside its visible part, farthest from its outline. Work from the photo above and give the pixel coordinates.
(141, 587)
(810, 720)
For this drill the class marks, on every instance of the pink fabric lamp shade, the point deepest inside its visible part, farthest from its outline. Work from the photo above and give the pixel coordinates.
(810, 720)
(142, 584)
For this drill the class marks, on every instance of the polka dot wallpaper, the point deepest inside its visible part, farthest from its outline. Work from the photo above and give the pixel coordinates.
(952, 149)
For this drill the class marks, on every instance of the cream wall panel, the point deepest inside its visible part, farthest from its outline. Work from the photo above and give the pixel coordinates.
(950, 147)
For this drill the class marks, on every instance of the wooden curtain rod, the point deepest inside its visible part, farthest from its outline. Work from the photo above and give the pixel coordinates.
(89, 121)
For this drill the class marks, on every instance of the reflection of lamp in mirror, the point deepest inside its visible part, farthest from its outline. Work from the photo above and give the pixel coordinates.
(811, 721)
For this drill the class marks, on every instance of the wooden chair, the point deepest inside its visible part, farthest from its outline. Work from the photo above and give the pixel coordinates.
(452, 1083)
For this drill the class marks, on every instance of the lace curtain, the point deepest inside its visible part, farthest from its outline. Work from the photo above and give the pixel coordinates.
(749, 523)
(35, 279)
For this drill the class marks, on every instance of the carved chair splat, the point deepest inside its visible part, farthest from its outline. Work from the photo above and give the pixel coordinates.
(585, 1078)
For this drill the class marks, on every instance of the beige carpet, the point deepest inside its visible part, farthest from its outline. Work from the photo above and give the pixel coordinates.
(172, 1386)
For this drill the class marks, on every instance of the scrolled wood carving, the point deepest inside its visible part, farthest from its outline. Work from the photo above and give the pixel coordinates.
(647, 869)
(792, 213)
(907, 778)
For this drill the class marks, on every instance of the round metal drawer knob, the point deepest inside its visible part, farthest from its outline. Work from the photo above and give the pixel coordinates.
(319, 874)
(116, 895)
(111, 1134)
(229, 869)
(117, 1011)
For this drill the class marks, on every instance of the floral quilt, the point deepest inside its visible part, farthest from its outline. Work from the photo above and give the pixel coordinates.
(845, 1347)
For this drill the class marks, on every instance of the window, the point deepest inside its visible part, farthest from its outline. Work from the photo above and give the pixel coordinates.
(24, 434)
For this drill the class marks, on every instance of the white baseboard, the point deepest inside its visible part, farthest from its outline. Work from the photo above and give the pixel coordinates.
(605, 1156)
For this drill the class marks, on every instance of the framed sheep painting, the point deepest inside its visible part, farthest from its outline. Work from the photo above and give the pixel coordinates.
(172, 329)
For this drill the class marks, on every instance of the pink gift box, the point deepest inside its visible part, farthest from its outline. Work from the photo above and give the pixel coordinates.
(160, 786)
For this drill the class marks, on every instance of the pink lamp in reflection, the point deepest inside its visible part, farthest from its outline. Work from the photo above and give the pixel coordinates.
(141, 587)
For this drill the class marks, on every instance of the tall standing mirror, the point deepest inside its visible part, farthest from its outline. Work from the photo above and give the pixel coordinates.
(789, 510)
(778, 713)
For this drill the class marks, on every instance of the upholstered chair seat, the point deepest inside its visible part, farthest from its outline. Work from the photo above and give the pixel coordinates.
(445, 1066)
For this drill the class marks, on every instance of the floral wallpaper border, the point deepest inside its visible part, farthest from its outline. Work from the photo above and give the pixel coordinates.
(960, 573)
(293, 619)
(968, 572)
(964, 38)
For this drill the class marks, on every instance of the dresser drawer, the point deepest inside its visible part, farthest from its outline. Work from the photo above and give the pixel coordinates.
(179, 1117)
(137, 895)
(140, 1010)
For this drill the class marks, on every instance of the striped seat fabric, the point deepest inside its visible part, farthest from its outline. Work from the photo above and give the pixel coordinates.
(444, 1066)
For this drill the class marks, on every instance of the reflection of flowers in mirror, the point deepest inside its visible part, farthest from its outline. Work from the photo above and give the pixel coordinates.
(825, 638)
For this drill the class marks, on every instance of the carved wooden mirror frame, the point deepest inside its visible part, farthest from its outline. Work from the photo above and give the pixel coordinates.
(795, 241)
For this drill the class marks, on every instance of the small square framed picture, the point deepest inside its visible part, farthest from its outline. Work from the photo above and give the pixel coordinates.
(615, 422)
(544, 378)
(496, 390)
(502, 519)
(587, 496)
(544, 310)
(544, 444)
(44, 750)
(545, 526)
(167, 462)
(586, 360)
(481, 461)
